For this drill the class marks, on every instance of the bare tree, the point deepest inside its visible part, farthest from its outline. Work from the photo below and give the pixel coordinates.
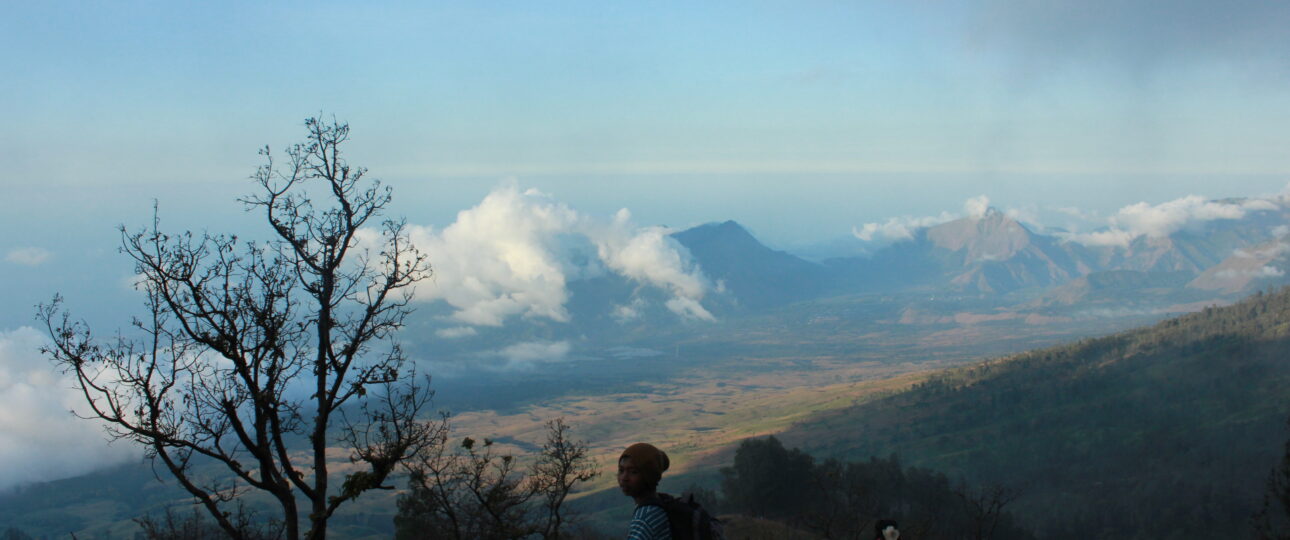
(985, 508)
(468, 493)
(195, 526)
(247, 348)
(473, 492)
(1272, 522)
(561, 465)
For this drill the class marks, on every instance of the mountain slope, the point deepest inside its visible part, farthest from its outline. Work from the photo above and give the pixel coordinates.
(1116, 288)
(1161, 432)
(992, 253)
(753, 274)
(1246, 268)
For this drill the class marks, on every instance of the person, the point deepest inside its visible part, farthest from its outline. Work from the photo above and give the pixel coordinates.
(640, 468)
(886, 529)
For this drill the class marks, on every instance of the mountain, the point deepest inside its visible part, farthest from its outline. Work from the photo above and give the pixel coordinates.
(751, 274)
(1196, 248)
(1167, 431)
(991, 253)
(1257, 266)
(1118, 288)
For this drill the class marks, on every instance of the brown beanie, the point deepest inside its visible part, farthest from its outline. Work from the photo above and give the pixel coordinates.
(650, 460)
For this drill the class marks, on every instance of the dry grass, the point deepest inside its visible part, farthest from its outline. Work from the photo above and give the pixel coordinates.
(694, 422)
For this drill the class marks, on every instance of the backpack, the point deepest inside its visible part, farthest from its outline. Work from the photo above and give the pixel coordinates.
(687, 519)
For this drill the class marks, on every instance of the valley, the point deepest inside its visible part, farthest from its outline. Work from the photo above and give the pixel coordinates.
(848, 358)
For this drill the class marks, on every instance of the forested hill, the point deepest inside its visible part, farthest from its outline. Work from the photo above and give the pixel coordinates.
(1160, 432)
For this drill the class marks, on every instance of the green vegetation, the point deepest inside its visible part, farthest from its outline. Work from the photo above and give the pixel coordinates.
(1161, 432)
(836, 499)
(1273, 520)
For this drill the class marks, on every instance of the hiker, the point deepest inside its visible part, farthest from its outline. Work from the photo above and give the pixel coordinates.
(660, 516)
(886, 529)
(640, 468)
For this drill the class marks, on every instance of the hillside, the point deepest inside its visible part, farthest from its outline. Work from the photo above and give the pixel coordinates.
(755, 276)
(1165, 431)
(991, 253)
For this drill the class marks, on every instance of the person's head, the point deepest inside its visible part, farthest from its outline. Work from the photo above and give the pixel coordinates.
(886, 529)
(640, 467)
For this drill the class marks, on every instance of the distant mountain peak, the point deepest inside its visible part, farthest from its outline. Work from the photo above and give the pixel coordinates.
(993, 236)
(726, 232)
(756, 275)
(728, 225)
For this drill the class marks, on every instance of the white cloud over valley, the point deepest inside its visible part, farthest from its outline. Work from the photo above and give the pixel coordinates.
(40, 439)
(528, 354)
(514, 254)
(1161, 220)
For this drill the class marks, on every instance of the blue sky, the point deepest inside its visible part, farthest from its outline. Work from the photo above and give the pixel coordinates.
(165, 91)
(799, 119)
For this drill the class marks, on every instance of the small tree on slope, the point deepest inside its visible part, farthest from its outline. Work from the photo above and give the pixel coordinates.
(1273, 520)
(247, 348)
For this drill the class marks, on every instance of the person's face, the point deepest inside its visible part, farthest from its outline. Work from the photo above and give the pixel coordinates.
(631, 479)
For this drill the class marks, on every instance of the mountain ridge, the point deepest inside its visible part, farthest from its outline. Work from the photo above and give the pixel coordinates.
(1176, 416)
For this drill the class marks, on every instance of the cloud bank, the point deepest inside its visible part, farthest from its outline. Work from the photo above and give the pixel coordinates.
(1164, 219)
(1117, 230)
(514, 254)
(903, 228)
(40, 439)
(529, 354)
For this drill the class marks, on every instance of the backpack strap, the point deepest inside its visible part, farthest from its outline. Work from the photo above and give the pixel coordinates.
(683, 519)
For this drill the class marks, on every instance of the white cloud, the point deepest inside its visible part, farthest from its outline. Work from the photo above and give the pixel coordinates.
(1164, 219)
(514, 253)
(1028, 215)
(456, 332)
(528, 354)
(1167, 218)
(976, 207)
(1104, 238)
(651, 256)
(1262, 272)
(903, 228)
(1265, 252)
(629, 311)
(899, 228)
(28, 256)
(40, 439)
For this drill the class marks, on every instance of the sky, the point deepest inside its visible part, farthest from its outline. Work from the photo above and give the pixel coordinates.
(804, 121)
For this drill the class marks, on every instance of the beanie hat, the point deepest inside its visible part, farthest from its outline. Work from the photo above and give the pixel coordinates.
(647, 458)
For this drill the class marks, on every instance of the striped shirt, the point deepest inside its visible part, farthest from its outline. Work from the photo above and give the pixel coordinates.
(649, 523)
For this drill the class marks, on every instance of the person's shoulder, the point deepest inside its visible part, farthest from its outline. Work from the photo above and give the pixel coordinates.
(649, 522)
(648, 511)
